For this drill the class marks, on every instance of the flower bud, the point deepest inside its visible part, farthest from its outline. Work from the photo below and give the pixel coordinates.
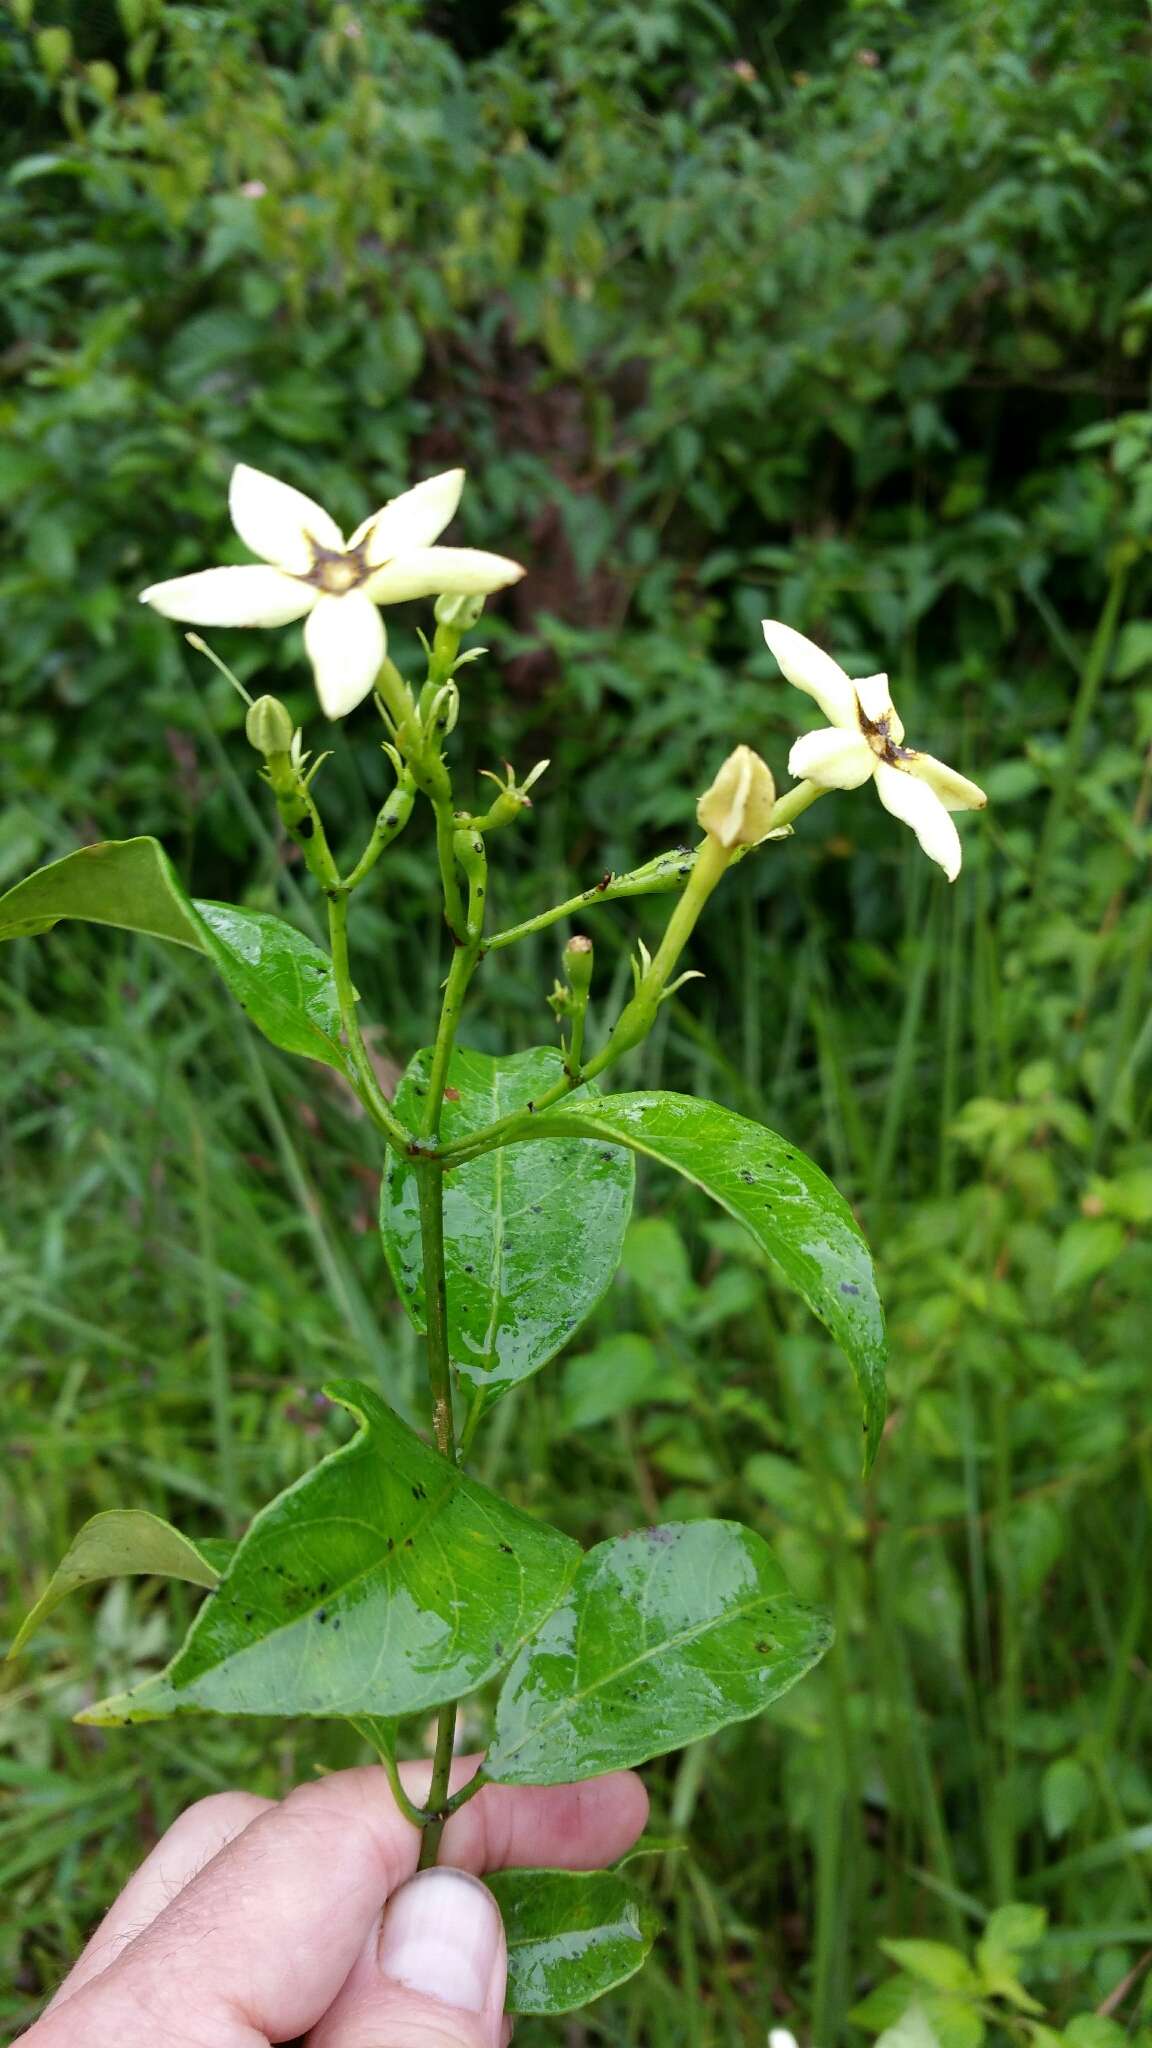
(578, 959)
(457, 611)
(737, 810)
(268, 726)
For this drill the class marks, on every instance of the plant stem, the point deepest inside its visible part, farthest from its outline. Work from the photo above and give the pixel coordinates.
(635, 1020)
(656, 878)
(430, 1187)
(1095, 669)
(391, 819)
(371, 1094)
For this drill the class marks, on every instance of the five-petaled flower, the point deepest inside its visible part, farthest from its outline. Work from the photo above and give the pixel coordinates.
(866, 738)
(309, 571)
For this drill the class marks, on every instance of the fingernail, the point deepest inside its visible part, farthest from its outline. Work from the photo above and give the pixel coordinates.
(440, 1935)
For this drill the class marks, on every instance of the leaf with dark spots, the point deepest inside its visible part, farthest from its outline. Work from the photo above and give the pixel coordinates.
(804, 1225)
(421, 1588)
(655, 1644)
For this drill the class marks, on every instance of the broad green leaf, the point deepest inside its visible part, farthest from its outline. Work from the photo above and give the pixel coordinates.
(117, 1544)
(664, 1636)
(572, 1935)
(125, 882)
(791, 1208)
(383, 1582)
(280, 979)
(934, 1963)
(532, 1233)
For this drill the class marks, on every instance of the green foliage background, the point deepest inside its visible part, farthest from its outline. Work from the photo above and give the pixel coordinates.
(839, 313)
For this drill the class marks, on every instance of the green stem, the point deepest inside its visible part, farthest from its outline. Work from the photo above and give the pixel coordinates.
(635, 1020)
(366, 1726)
(430, 1186)
(1095, 669)
(371, 1094)
(390, 822)
(656, 878)
(430, 1189)
(445, 854)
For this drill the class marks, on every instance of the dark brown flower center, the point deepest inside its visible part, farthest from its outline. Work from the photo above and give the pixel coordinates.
(336, 571)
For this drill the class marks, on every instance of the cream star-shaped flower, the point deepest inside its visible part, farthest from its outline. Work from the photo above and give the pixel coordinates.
(309, 571)
(866, 738)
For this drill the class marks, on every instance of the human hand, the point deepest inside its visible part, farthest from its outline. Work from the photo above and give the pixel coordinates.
(255, 1922)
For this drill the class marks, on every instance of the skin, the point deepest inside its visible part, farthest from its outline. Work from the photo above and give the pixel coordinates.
(255, 1922)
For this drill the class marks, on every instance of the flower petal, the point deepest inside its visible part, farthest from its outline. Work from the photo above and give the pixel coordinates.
(278, 522)
(807, 665)
(346, 643)
(915, 804)
(253, 596)
(430, 572)
(875, 701)
(413, 520)
(955, 791)
(832, 759)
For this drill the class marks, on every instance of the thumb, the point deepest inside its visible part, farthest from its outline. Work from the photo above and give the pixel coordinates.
(432, 1975)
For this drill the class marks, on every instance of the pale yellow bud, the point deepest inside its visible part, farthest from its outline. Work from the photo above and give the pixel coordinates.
(737, 810)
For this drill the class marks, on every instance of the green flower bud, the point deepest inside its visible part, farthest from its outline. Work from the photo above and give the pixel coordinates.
(578, 962)
(268, 726)
(457, 611)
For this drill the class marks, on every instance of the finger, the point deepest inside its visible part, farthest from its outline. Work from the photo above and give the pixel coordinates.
(259, 1943)
(566, 1827)
(180, 1855)
(261, 1940)
(432, 1977)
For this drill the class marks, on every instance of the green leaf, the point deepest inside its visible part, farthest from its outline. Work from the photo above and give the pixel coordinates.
(913, 2029)
(934, 1963)
(954, 2020)
(1133, 649)
(532, 1233)
(665, 1636)
(1065, 1791)
(125, 882)
(117, 1544)
(1094, 2030)
(612, 1377)
(280, 979)
(572, 1935)
(791, 1208)
(1008, 1934)
(384, 1582)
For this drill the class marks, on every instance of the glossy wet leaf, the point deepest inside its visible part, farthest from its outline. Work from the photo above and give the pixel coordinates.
(781, 1196)
(281, 980)
(118, 1544)
(663, 1637)
(383, 1582)
(533, 1233)
(572, 1935)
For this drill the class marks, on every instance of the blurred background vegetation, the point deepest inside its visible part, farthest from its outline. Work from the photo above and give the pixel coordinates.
(834, 311)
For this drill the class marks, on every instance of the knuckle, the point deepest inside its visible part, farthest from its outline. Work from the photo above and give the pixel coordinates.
(223, 1814)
